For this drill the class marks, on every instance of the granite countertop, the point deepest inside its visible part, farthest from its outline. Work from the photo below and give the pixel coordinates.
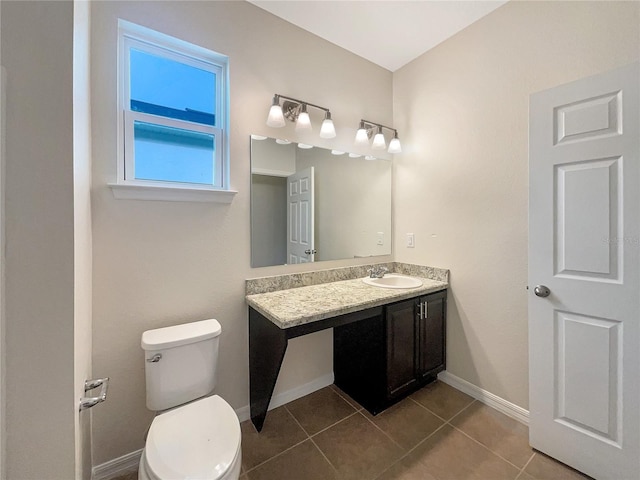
(296, 306)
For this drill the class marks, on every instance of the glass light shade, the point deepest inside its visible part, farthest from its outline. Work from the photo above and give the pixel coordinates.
(275, 118)
(327, 130)
(304, 146)
(337, 152)
(394, 146)
(258, 137)
(281, 141)
(354, 155)
(370, 157)
(303, 122)
(378, 142)
(361, 137)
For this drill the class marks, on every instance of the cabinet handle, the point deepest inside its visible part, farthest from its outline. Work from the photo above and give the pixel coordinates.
(426, 310)
(420, 313)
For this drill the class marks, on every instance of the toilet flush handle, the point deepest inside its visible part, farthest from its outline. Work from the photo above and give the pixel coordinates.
(155, 359)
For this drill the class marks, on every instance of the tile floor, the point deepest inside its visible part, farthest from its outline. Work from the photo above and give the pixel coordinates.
(437, 433)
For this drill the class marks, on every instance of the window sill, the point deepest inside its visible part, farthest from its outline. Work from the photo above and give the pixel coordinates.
(126, 191)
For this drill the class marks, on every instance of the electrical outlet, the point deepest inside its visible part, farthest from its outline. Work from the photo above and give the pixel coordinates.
(411, 240)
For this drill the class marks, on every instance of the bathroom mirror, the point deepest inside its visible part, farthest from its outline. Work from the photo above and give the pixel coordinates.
(311, 204)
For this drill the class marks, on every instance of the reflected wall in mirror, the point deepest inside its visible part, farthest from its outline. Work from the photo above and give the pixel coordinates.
(311, 204)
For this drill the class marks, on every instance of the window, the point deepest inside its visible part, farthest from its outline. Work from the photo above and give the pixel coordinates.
(173, 115)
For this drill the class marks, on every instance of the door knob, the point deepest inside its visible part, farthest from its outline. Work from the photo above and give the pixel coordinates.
(542, 291)
(309, 251)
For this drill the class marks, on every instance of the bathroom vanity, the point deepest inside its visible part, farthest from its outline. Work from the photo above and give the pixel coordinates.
(387, 342)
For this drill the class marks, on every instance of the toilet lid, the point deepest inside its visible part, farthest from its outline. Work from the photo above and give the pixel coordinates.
(199, 440)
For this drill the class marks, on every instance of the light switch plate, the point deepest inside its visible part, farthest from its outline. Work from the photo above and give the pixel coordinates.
(380, 238)
(411, 240)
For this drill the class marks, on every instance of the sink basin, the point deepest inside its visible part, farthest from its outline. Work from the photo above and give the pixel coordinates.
(393, 280)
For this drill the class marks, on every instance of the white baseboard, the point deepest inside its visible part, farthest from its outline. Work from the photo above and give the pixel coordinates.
(129, 462)
(509, 409)
(118, 466)
(290, 395)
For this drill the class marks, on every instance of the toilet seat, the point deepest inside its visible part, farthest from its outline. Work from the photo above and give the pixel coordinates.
(200, 440)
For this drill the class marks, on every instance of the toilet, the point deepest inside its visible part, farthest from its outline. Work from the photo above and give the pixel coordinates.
(194, 435)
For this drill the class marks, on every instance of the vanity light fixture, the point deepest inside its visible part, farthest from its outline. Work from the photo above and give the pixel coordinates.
(354, 155)
(304, 146)
(366, 130)
(296, 111)
(370, 157)
(282, 141)
(337, 152)
(378, 141)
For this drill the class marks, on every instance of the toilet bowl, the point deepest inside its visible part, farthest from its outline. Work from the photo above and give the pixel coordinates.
(198, 440)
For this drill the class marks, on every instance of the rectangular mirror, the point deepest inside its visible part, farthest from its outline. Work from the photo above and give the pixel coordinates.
(311, 204)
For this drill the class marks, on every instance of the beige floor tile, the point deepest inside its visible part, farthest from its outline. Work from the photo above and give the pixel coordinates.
(357, 449)
(441, 399)
(280, 432)
(128, 476)
(524, 476)
(542, 467)
(449, 454)
(407, 468)
(501, 434)
(406, 422)
(320, 410)
(302, 462)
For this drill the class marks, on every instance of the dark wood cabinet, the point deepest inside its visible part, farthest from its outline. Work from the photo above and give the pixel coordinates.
(384, 358)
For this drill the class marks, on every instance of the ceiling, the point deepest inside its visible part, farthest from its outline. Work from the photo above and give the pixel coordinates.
(389, 33)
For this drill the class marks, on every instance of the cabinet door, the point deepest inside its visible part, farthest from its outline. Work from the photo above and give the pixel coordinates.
(431, 334)
(401, 347)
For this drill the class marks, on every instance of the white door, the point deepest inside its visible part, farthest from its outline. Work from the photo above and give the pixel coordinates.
(300, 213)
(584, 243)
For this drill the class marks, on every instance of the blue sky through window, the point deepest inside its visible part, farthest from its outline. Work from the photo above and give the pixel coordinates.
(168, 88)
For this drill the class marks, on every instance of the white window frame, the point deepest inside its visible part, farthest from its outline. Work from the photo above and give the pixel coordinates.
(126, 186)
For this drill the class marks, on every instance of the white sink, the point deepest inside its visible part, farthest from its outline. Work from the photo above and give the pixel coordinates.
(393, 280)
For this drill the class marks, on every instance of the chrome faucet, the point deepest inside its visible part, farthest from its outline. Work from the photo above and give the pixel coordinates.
(377, 271)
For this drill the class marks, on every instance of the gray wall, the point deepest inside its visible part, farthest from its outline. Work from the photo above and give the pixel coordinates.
(41, 403)
(163, 263)
(462, 183)
(268, 220)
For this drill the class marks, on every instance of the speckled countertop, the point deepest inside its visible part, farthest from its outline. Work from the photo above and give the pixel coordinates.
(296, 306)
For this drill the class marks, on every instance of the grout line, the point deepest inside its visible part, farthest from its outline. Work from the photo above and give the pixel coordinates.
(296, 420)
(526, 464)
(285, 450)
(342, 395)
(325, 457)
(333, 424)
(462, 410)
(485, 447)
(275, 456)
(312, 440)
(431, 411)
(385, 433)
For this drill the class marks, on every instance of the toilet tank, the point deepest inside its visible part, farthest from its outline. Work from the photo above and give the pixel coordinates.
(180, 363)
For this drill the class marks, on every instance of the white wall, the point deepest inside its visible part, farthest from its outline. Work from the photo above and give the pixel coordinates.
(162, 263)
(37, 51)
(82, 229)
(462, 181)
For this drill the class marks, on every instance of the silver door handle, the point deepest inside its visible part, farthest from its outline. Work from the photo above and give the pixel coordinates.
(309, 252)
(542, 291)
